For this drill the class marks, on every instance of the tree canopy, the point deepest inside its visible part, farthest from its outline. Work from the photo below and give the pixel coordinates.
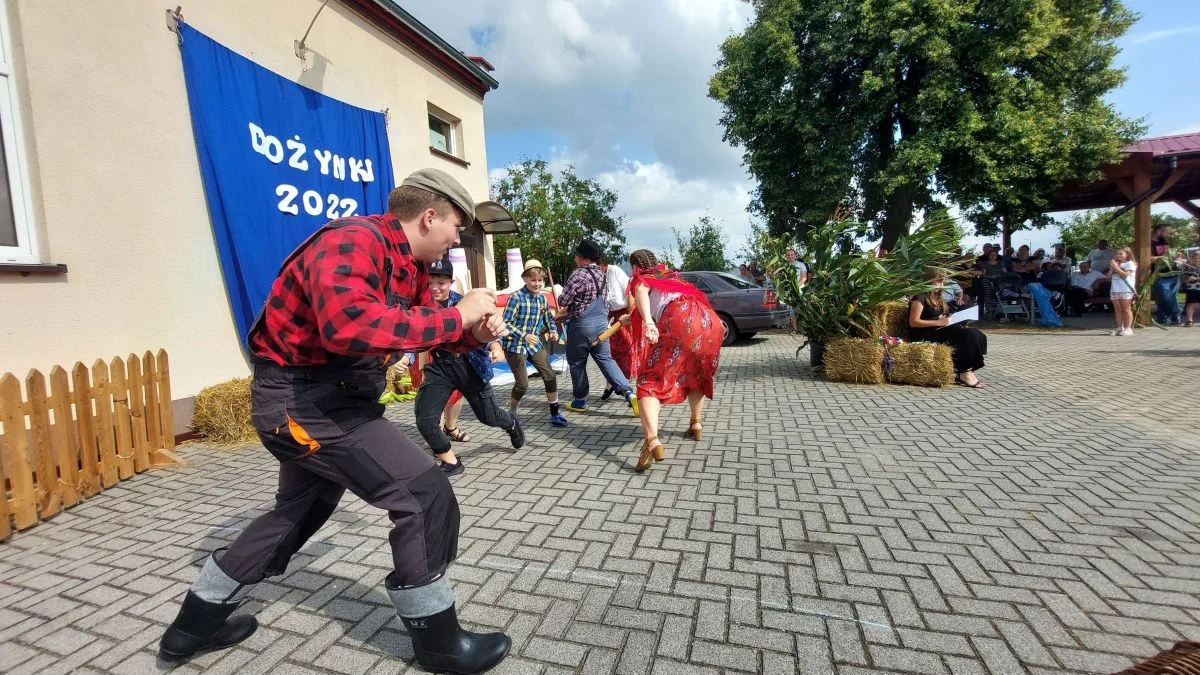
(889, 106)
(1082, 230)
(703, 247)
(555, 214)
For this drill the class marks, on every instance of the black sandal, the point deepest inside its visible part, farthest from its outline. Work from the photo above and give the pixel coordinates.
(959, 381)
(456, 435)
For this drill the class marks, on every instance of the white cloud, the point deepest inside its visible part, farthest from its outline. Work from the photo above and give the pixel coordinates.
(1155, 36)
(1189, 129)
(655, 199)
(614, 79)
(623, 87)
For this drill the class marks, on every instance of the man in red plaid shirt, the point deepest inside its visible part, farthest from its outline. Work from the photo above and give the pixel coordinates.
(345, 301)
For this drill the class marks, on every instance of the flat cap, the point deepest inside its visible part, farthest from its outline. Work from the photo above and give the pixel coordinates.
(441, 183)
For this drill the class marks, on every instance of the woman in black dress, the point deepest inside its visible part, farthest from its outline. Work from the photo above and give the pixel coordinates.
(929, 321)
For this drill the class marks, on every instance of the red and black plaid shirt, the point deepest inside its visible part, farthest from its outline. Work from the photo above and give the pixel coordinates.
(329, 301)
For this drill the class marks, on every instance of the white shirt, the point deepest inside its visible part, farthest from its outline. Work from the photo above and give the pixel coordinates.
(1100, 258)
(1085, 281)
(617, 281)
(1124, 284)
(659, 301)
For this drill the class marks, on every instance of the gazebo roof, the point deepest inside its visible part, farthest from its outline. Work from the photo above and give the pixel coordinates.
(1153, 156)
(1166, 145)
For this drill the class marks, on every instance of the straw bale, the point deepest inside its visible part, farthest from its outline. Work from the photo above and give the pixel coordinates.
(854, 360)
(926, 364)
(222, 414)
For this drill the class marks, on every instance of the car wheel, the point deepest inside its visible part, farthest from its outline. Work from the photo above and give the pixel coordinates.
(731, 331)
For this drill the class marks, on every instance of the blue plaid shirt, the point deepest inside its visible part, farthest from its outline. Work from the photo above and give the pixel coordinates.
(526, 313)
(479, 359)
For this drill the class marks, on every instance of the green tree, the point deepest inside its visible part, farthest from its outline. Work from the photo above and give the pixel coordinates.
(890, 106)
(757, 246)
(1083, 229)
(703, 248)
(555, 214)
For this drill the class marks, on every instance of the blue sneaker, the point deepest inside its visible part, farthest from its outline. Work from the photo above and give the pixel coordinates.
(558, 420)
(577, 405)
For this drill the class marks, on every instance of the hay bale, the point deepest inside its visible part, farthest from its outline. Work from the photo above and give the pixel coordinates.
(926, 364)
(891, 318)
(222, 413)
(854, 360)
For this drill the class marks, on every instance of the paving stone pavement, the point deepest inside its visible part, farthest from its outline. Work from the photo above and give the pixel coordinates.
(1050, 523)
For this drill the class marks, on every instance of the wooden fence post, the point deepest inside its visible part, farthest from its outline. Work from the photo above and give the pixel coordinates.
(158, 410)
(62, 440)
(20, 473)
(137, 415)
(104, 423)
(124, 434)
(49, 499)
(89, 464)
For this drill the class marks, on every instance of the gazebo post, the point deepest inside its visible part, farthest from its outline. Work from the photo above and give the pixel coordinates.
(1141, 223)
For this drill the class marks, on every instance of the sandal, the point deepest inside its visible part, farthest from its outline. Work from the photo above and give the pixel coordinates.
(695, 430)
(456, 435)
(652, 451)
(959, 381)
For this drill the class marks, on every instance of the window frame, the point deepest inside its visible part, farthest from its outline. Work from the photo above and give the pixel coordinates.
(26, 250)
(451, 141)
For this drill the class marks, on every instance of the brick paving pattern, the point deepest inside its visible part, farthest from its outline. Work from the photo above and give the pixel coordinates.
(1048, 524)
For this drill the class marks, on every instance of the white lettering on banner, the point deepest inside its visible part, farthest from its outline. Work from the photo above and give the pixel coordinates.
(328, 163)
(361, 172)
(288, 203)
(265, 144)
(297, 160)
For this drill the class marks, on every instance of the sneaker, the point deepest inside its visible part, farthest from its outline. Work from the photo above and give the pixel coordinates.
(577, 405)
(632, 401)
(608, 392)
(558, 420)
(515, 434)
(452, 469)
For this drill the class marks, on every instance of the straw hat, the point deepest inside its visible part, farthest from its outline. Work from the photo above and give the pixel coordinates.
(533, 263)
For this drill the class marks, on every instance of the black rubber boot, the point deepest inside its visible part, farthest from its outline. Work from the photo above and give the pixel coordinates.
(441, 645)
(203, 626)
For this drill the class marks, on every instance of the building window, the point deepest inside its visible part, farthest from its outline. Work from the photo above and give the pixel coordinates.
(441, 134)
(17, 243)
(445, 135)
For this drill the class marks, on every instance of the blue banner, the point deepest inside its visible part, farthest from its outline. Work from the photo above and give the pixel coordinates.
(278, 160)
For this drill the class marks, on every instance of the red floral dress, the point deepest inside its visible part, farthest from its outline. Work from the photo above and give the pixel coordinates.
(621, 344)
(688, 351)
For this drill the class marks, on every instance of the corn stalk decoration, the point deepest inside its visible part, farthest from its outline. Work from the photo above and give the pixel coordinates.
(847, 284)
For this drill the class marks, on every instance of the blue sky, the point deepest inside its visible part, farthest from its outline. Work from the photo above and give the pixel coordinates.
(619, 89)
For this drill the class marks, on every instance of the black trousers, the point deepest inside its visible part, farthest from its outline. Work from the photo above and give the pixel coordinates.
(329, 436)
(442, 377)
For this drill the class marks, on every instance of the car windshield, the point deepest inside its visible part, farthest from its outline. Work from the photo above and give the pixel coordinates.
(741, 284)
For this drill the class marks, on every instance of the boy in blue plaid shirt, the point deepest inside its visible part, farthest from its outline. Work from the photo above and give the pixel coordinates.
(527, 316)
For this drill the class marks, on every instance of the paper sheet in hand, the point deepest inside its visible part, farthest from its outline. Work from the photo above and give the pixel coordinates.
(968, 314)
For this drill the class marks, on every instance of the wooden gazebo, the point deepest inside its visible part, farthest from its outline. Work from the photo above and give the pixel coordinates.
(1153, 170)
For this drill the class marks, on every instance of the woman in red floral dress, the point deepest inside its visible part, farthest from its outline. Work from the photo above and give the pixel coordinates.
(676, 348)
